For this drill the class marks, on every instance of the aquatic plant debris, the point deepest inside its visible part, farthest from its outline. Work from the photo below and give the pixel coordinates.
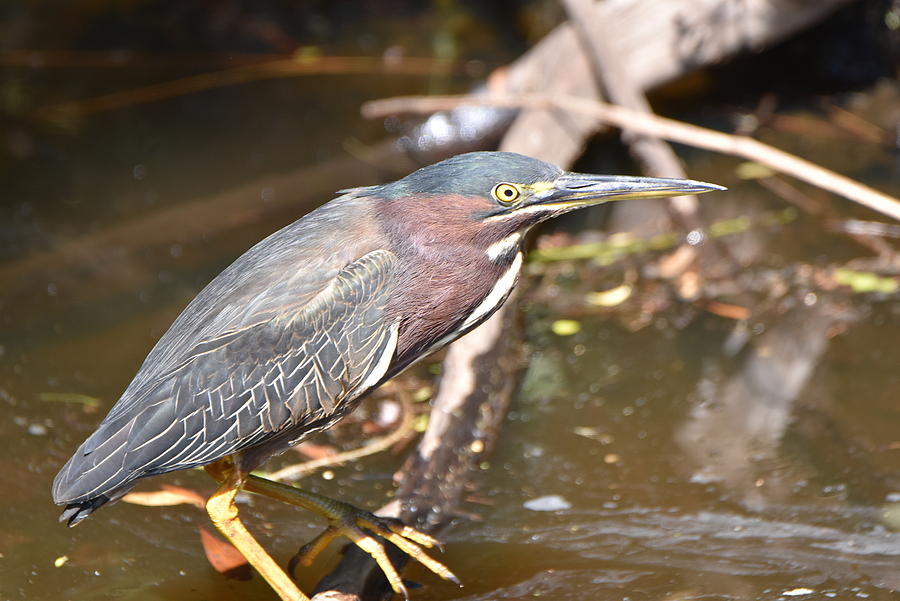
(565, 327)
(863, 281)
(547, 503)
(610, 298)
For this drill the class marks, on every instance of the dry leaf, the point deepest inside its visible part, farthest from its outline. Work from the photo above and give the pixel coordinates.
(565, 327)
(223, 557)
(727, 310)
(610, 298)
(169, 495)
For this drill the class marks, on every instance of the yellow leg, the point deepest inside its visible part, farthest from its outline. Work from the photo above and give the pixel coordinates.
(310, 550)
(224, 514)
(351, 522)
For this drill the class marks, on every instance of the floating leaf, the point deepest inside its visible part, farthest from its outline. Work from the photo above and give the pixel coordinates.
(727, 310)
(594, 434)
(70, 397)
(729, 227)
(752, 170)
(890, 516)
(586, 431)
(420, 424)
(169, 495)
(61, 561)
(610, 298)
(565, 327)
(223, 557)
(865, 281)
(423, 394)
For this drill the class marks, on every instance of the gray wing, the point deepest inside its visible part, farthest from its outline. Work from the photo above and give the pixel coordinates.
(290, 367)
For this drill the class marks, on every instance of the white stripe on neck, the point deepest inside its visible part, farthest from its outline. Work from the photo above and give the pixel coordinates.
(497, 294)
(501, 248)
(384, 361)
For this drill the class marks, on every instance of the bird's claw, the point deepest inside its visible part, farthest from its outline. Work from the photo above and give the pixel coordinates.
(358, 526)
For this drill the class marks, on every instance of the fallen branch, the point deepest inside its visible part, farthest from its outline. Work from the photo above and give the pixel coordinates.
(796, 197)
(670, 129)
(296, 66)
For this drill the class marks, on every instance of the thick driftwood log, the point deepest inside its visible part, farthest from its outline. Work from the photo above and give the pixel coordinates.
(657, 42)
(597, 39)
(476, 387)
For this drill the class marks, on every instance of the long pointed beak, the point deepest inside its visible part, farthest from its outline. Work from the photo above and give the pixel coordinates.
(574, 190)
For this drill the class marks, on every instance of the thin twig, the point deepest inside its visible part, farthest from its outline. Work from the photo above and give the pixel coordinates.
(796, 197)
(375, 445)
(670, 129)
(33, 58)
(290, 67)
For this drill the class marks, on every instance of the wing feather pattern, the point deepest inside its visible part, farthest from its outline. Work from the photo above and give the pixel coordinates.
(302, 365)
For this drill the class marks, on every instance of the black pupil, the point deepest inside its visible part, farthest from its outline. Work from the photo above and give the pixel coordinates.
(507, 192)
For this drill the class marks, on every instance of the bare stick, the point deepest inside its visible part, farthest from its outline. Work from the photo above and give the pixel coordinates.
(288, 67)
(669, 129)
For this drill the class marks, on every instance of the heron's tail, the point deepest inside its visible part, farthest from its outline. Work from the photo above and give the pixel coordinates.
(93, 477)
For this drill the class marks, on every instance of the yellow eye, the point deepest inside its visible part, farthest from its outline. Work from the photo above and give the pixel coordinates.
(506, 193)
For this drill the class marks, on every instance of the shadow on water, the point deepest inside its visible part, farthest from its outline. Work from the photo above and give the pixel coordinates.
(691, 459)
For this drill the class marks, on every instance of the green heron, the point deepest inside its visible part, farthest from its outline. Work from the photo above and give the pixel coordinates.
(289, 338)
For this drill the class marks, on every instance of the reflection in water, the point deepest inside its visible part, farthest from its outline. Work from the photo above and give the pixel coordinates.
(733, 435)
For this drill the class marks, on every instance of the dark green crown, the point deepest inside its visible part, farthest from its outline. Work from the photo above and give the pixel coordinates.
(472, 174)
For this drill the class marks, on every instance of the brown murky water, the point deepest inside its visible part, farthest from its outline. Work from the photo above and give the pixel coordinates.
(651, 464)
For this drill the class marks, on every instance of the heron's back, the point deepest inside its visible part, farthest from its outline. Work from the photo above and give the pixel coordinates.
(250, 356)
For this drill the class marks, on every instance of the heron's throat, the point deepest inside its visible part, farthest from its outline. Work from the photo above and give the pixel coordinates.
(497, 295)
(502, 251)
